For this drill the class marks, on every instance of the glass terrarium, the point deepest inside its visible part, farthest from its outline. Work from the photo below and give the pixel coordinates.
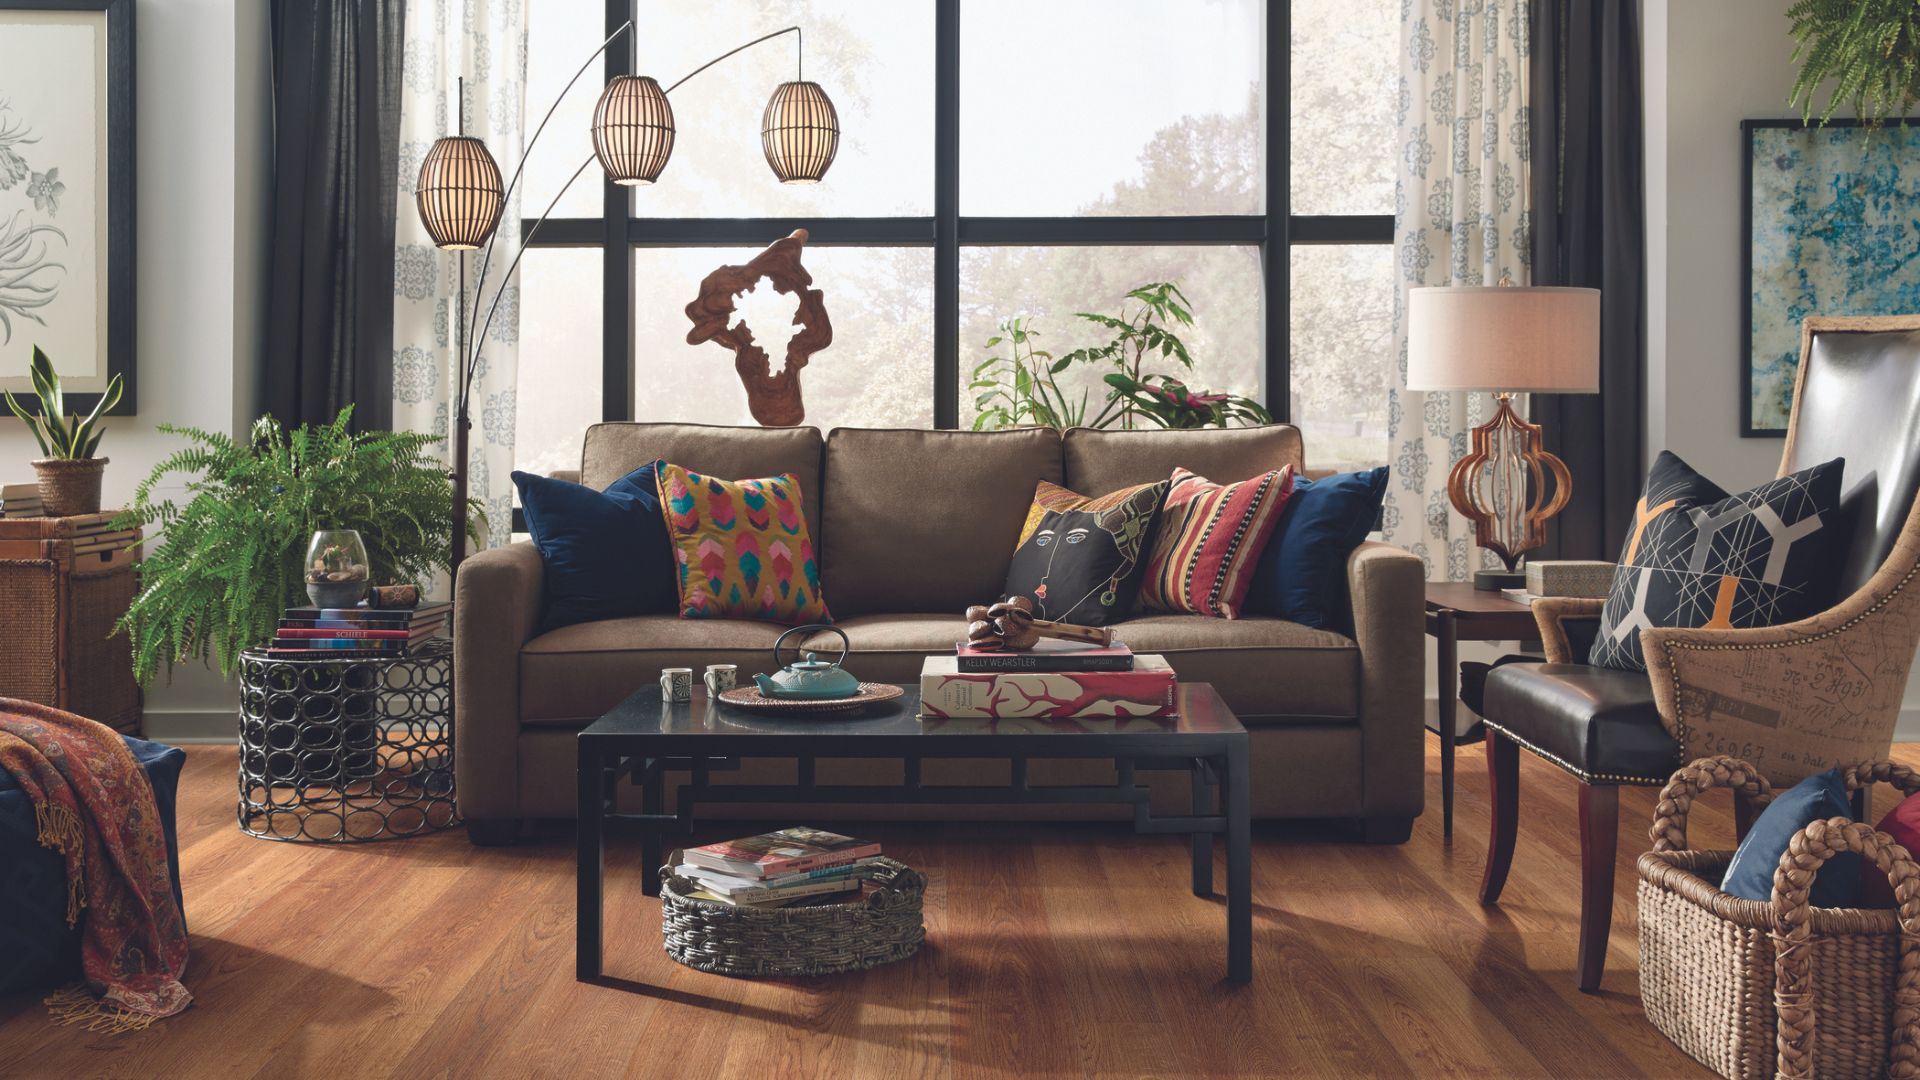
(336, 569)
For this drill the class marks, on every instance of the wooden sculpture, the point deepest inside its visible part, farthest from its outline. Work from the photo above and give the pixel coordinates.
(773, 398)
(1009, 626)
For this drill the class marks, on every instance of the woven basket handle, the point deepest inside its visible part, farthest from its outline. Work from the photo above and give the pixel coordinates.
(1809, 849)
(1669, 831)
(1883, 772)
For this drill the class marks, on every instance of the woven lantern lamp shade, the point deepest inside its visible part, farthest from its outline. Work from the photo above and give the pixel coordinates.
(459, 195)
(800, 132)
(633, 130)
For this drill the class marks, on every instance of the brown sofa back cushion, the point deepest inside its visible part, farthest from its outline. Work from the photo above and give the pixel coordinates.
(1101, 461)
(926, 521)
(613, 450)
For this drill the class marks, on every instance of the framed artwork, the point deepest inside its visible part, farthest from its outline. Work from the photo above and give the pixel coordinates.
(1830, 228)
(66, 195)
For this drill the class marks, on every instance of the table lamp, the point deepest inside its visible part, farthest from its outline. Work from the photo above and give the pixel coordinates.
(1507, 340)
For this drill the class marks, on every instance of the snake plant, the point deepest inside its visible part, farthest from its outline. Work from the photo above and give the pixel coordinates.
(59, 435)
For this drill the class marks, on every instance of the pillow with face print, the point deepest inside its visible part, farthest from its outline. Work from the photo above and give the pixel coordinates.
(1080, 558)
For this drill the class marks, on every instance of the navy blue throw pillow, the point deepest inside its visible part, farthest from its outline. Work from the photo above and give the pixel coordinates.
(1302, 575)
(1818, 797)
(606, 552)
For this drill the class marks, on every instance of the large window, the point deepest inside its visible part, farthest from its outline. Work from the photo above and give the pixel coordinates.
(999, 158)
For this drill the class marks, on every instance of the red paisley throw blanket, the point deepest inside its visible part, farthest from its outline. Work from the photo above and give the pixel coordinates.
(93, 805)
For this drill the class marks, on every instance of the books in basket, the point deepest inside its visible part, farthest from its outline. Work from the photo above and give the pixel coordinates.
(1150, 689)
(732, 889)
(781, 853)
(1049, 654)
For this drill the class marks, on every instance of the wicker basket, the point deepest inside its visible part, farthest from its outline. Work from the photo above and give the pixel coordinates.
(824, 939)
(1755, 990)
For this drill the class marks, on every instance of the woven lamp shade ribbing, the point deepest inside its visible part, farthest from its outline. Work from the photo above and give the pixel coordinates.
(459, 194)
(800, 132)
(633, 130)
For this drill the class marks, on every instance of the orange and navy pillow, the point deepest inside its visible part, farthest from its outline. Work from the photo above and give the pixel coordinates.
(1209, 543)
(1079, 559)
(742, 548)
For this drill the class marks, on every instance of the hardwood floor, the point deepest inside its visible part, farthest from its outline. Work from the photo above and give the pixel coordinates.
(1051, 951)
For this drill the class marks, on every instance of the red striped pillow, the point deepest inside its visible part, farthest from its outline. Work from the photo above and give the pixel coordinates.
(1210, 540)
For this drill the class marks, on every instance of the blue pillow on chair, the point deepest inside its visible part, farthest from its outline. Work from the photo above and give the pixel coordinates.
(37, 947)
(606, 552)
(1302, 574)
(1818, 797)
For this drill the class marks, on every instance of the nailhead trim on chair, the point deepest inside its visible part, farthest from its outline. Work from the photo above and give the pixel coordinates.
(1585, 777)
(1672, 647)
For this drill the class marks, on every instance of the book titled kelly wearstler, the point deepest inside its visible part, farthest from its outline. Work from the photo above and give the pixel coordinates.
(1149, 689)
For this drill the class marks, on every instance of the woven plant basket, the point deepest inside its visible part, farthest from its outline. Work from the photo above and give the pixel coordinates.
(1755, 990)
(69, 487)
(824, 939)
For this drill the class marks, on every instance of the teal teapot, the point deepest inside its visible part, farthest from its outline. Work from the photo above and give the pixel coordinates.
(810, 678)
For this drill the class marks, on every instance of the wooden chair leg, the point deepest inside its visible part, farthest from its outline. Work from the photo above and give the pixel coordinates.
(1743, 814)
(1503, 784)
(1599, 838)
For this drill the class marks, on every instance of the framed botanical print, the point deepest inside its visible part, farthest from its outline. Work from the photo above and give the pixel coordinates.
(1830, 229)
(66, 195)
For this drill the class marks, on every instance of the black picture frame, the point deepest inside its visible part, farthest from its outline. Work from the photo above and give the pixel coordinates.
(1747, 130)
(121, 230)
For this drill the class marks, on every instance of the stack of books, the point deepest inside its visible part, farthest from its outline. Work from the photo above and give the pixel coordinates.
(314, 633)
(777, 868)
(1054, 680)
(20, 500)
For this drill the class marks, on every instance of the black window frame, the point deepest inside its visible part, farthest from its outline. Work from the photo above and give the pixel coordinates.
(618, 230)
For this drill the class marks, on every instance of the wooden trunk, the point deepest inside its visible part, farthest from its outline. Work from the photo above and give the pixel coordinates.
(57, 610)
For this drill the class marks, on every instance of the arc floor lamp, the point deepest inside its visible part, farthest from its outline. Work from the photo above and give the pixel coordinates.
(460, 197)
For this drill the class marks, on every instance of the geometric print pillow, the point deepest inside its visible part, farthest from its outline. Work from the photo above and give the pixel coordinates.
(1209, 542)
(742, 548)
(1698, 557)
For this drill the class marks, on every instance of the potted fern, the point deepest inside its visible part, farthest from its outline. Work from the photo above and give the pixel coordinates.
(69, 474)
(1870, 49)
(235, 556)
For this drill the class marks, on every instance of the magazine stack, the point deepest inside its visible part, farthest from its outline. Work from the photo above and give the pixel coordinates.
(776, 869)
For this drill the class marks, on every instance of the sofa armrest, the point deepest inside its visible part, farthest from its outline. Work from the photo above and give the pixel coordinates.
(1389, 590)
(496, 609)
(1553, 613)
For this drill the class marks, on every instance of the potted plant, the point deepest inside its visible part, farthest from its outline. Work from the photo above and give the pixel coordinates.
(236, 554)
(69, 474)
(1869, 49)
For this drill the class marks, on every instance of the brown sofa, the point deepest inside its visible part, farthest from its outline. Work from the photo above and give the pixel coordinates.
(911, 527)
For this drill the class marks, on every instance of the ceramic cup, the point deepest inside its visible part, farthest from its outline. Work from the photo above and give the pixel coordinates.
(676, 684)
(721, 677)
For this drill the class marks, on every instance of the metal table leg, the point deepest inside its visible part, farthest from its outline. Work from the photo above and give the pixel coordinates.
(1201, 780)
(652, 798)
(1234, 801)
(591, 872)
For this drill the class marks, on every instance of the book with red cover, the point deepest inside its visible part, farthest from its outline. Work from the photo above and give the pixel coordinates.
(1148, 690)
(300, 632)
(1049, 654)
(786, 851)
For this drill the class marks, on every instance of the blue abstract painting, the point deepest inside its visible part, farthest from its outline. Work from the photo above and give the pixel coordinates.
(1833, 228)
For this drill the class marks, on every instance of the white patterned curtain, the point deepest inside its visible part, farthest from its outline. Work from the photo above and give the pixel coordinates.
(484, 41)
(1461, 218)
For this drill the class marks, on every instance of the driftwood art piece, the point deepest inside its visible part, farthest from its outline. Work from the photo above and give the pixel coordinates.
(1009, 626)
(772, 397)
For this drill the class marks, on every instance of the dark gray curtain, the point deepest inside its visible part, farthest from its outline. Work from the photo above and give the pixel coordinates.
(1589, 216)
(336, 111)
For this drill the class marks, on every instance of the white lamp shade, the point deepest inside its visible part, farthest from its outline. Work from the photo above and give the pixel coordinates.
(1523, 340)
(633, 130)
(800, 132)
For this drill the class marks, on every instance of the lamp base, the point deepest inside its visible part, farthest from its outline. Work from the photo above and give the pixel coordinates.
(1495, 580)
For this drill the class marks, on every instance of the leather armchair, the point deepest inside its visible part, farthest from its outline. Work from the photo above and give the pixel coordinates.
(1795, 698)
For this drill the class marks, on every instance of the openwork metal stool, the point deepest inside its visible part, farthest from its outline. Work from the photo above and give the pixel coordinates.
(349, 750)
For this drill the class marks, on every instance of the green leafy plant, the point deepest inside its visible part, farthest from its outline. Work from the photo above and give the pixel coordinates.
(60, 435)
(1022, 388)
(1869, 48)
(1018, 388)
(232, 557)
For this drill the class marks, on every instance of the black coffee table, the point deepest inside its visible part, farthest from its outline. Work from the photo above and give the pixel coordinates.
(644, 740)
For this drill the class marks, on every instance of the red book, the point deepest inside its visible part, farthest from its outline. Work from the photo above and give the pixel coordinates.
(1049, 654)
(787, 851)
(322, 632)
(1148, 690)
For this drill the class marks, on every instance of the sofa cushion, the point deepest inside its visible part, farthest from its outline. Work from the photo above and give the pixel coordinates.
(742, 547)
(1269, 671)
(1104, 460)
(1080, 558)
(926, 520)
(570, 676)
(612, 450)
(1210, 541)
(1302, 574)
(604, 553)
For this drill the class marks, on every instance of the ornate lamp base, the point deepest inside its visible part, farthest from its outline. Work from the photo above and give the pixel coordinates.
(1501, 486)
